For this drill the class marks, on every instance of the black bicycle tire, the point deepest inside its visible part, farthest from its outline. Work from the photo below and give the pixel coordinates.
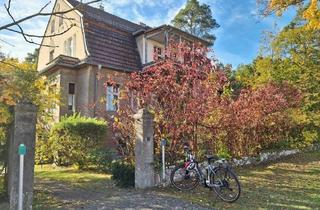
(183, 189)
(238, 184)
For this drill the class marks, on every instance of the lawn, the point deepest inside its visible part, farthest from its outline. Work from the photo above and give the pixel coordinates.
(65, 178)
(72, 176)
(292, 183)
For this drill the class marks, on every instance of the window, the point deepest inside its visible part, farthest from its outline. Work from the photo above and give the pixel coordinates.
(52, 26)
(60, 19)
(51, 55)
(71, 97)
(133, 100)
(112, 103)
(157, 52)
(69, 46)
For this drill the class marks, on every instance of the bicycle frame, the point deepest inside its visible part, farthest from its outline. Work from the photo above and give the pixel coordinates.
(205, 178)
(217, 176)
(210, 170)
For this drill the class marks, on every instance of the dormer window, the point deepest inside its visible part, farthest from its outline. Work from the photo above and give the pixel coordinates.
(157, 52)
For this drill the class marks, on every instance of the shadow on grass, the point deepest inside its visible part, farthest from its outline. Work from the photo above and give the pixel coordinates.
(290, 183)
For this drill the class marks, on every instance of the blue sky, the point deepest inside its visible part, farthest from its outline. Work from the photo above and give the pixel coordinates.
(237, 39)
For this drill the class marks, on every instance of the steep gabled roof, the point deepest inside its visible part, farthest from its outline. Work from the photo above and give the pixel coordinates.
(109, 39)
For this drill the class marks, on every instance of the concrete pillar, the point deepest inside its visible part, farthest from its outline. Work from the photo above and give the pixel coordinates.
(22, 131)
(144, 150)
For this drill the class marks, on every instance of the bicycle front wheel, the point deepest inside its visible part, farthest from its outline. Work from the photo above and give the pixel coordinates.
(184, 179)
(226, 185)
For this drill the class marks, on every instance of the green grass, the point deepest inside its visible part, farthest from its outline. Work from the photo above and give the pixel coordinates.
(292, 183)
(71, 176)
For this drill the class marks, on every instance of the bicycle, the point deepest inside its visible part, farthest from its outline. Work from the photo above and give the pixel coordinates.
(219, 177)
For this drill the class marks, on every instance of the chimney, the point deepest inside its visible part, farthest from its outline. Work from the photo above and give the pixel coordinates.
(101, 6)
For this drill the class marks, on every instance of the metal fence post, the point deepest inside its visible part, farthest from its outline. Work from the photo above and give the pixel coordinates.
(22, 151)
(163, 144)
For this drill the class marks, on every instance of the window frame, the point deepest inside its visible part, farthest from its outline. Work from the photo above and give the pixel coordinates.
(157, 52)
(114, 96)
(53, 26)
(71, 97)
(51, 55)
(69, 46)
(60, 17)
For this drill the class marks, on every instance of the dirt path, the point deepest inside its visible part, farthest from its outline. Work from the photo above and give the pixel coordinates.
(58, 195)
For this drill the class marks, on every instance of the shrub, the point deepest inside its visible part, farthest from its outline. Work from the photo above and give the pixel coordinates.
(43, 152)
(123, 173)
(74, 138)
(102, 158)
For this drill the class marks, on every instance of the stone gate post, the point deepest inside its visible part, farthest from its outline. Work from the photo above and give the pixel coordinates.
(144, 149)
(22, 131)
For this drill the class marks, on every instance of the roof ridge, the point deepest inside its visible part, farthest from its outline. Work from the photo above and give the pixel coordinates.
(102, 12)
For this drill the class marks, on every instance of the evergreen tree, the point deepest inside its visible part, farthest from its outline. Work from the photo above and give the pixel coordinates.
(196, 19)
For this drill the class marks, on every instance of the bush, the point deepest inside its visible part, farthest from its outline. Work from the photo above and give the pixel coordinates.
(102, 158)
(123, 173)
(74, 138)
(43, 152)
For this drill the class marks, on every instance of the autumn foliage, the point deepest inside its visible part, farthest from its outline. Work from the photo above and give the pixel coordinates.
(187, 93)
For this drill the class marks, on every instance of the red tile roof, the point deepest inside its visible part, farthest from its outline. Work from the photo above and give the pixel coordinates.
(110, 39)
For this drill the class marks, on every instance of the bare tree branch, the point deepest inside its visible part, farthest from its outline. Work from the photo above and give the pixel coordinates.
(28, 37)
(45, 6)
(64, 17)
(21, 30)
(45, 14)
(40, 36)
(8, 43)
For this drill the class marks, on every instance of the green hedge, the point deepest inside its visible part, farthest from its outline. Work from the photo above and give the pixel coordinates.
(123, 173)
(74, 138)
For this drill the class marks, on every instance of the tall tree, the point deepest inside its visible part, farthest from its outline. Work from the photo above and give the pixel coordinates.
(311, 10)
(295, 59)
(196, 19)
(32, 57)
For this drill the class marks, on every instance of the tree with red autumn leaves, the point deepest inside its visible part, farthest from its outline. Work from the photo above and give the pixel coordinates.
(186, 93)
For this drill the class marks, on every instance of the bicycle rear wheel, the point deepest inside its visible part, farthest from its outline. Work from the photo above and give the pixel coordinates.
(227, 185)
(184, 179)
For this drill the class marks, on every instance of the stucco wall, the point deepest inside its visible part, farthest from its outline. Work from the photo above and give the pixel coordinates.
(150, 54)
(150, 44)
(66, 76)
(59, 40)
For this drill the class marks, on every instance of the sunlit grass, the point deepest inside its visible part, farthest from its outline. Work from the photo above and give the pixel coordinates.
(292, 183)
(70, 175)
